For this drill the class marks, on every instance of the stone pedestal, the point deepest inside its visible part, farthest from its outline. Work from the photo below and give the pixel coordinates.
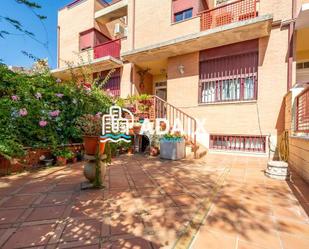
(90, 169)
(277, 170)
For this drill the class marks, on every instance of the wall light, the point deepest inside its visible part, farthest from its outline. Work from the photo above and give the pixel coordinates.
(181, 69)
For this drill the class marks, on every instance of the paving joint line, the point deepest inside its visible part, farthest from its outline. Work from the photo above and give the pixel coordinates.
(189, 232)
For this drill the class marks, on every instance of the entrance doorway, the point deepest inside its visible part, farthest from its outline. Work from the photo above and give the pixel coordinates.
(161, 90)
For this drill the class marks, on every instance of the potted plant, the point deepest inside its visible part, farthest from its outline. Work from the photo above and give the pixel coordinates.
(154, 145)
(47, 161)
(137, 127)
(91, 127)
(172, 146)
(62, 156)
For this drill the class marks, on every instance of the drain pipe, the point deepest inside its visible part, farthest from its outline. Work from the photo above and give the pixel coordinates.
(133, 25)
(291, 39)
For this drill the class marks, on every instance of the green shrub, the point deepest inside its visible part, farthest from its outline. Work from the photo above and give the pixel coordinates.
(39, 111)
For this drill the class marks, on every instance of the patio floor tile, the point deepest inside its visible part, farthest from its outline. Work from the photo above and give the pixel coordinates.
(10, 215)
(81, 230)
(148, 203)
(293, 242)
(46, 213)
(30, 236)
(20, 201)
(56, 199)
(214, 240)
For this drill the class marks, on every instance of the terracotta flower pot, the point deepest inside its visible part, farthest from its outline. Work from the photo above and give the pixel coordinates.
(137, 129)
(101, 147)
(154, 151)
(61, 161)
(131, 131)
(90, 144)
(130, 151)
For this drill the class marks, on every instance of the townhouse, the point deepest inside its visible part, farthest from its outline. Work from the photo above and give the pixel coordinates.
(229, 62)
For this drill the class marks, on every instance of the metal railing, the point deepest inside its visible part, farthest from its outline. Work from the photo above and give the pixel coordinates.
(163, 109)
(302, 112)
(244, 143)
(110, 48)
(228, 13)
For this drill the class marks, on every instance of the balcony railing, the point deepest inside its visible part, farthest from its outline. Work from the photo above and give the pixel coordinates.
(228, 13)
(302, 112)
(110, 48)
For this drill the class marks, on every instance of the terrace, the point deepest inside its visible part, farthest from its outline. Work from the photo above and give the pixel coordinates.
(218, 202)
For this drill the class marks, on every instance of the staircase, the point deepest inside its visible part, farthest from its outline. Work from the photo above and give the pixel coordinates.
(162, 109)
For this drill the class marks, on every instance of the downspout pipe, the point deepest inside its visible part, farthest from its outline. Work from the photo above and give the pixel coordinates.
(291, 39)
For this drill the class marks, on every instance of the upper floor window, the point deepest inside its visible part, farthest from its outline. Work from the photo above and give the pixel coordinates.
(90, 38)
(182, 15)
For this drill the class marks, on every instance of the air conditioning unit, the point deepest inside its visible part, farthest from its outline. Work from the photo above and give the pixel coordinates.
(119, 30)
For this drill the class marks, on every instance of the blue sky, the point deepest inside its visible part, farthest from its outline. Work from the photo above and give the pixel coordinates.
(11, 47)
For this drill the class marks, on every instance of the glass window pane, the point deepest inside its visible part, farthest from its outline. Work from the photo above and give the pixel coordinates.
(178, 17)
(188, 13)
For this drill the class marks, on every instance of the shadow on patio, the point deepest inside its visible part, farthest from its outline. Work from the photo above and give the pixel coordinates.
(148, 203)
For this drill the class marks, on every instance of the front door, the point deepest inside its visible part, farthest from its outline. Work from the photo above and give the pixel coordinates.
(161, 90)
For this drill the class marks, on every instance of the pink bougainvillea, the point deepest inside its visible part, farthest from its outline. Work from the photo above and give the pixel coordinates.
(43, 123)
(23, 112)
(15, 98)
(54, 113)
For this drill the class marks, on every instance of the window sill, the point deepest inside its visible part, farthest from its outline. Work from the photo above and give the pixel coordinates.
(228, 103)
(191, 18)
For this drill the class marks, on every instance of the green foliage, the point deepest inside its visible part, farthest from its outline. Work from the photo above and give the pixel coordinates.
(38, 111)
(172, 137)
(65, 153)
(90, 125)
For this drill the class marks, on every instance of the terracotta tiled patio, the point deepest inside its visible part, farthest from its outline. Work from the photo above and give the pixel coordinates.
(220, 201)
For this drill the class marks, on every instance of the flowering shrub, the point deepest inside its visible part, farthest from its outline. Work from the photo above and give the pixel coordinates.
(90, 125)
(40, 111)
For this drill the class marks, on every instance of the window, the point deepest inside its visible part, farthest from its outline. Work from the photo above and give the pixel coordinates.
(249, 143)
(228, 78)
(112, 86)
(182, 15)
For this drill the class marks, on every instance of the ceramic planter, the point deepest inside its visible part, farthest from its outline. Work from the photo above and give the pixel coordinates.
(90, 144)
(90, 168)
(48, 162)
(172, 150)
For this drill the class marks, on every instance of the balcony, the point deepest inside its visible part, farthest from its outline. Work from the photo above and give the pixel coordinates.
(101, 57)
(240, 10)
(110, 48)
(111, 11)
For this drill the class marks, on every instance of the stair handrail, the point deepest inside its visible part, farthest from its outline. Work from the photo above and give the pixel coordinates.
(156, 98)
